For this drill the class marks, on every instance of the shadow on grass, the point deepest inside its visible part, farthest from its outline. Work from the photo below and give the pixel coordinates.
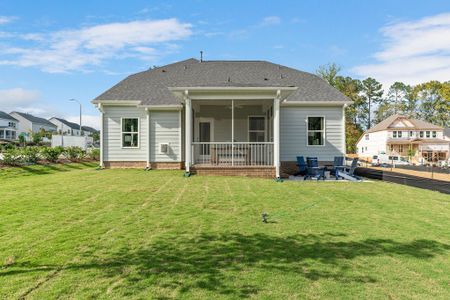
(213, 262)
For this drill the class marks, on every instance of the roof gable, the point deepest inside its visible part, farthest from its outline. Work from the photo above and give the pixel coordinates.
(6, 116)
(399, 121)
(34, 119)
(152, 86)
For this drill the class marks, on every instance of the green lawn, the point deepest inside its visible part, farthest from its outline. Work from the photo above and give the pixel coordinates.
(75, 232)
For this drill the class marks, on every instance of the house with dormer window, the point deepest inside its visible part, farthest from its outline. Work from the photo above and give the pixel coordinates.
(416, 140)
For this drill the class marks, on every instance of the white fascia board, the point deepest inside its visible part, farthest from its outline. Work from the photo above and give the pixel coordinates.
(175, 107)
(315, 103)
(231, 88)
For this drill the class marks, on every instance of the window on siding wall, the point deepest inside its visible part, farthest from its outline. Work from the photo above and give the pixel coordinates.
(421, 134)
(130, 132)
(434, 134)
(256, 129)
(428, 134)
(316, 131)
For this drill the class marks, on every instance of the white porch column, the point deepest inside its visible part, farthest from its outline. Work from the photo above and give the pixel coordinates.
(100, 108)
(276, 134)
(188, 133)
(232, 132)
(148, 139)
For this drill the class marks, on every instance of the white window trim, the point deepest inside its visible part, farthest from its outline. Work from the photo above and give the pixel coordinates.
(248, 127)
(324, 131)
(138, 132)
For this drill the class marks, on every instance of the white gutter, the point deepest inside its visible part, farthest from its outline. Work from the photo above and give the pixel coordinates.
(312, 103)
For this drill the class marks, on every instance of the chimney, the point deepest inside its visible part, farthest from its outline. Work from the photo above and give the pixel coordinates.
(201, 56)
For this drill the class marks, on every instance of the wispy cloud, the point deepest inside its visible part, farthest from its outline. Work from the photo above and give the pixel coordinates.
(413, 52)
(6, 19)
(15, 97)
(80, 49)
(270, 20)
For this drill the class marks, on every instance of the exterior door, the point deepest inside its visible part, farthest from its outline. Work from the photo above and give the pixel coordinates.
(205, 137)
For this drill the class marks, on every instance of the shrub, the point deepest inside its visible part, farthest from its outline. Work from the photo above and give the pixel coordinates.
(30, 154)
(12, 157)
(74, 153)
(51, 154)
(94, 154)
(36, 137)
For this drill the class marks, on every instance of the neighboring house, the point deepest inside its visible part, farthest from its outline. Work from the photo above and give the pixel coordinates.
(221, 117)
(69, 128)
(8, 127)
(31, 124)
(89, 131)
(65, 127)
(402, 136)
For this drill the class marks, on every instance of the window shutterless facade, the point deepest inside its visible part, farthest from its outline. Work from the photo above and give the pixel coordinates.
(394, 134)
(316, 131)
(428, 134)
(130, 132)
(434, 134)
(421, 134)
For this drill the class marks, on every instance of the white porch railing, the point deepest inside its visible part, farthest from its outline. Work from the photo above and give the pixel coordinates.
(233, 154)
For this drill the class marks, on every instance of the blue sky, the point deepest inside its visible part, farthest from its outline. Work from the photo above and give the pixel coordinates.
(51, 51)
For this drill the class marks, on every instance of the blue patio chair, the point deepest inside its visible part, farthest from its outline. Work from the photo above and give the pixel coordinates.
(338, 166)
(301, 164)
(349, 172)
(313, 169)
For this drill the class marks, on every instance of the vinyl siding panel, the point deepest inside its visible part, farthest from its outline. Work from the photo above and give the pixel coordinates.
(112, 144)
(293, 132)
(165, 128)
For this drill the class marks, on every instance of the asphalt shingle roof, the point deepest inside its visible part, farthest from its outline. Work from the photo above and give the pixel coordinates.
(386, 123)
(151, 87)
(67, 123)
(6, 116)
(34, 119)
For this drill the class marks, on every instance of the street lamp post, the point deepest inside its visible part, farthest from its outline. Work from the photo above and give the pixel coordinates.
(75, 100)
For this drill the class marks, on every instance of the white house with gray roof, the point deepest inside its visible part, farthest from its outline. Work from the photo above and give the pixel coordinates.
(221, 117)
(31, 124)
(415, 140)
(8, 127)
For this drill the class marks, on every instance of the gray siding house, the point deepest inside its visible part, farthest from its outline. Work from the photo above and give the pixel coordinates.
(221, 117)
(30, 124)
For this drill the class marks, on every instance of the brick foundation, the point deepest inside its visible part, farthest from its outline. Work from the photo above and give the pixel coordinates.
(262, 172)
(143, 164)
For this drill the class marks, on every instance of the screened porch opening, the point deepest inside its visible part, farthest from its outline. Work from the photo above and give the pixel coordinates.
(232, 133)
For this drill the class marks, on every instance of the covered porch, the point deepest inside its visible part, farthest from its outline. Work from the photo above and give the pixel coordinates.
(232, 133)
(233, 128)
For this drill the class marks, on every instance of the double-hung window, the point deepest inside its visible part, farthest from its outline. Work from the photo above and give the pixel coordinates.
(256, 129)
(399, 133)
(316, 131)
(434, 134)
(428, 134)
(130, 132)
(421, 134)
(394, 134)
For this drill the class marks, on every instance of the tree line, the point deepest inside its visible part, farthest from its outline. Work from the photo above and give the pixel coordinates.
(429, 101)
